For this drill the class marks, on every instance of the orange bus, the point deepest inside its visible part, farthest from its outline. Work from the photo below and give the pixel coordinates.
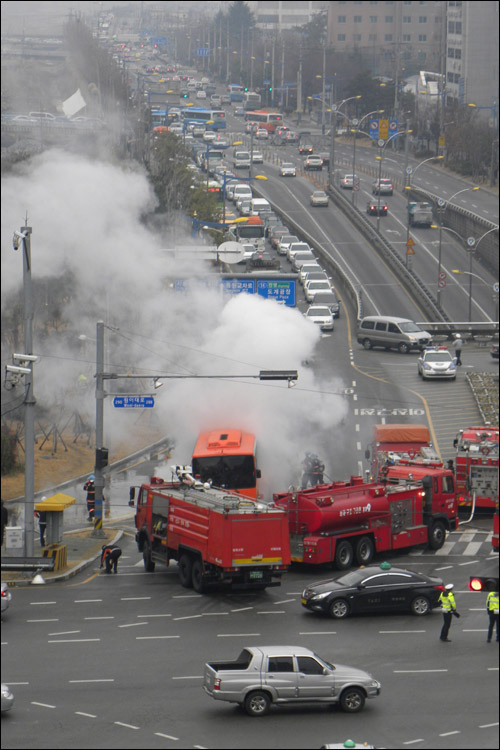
(268, 120)
(227, 459)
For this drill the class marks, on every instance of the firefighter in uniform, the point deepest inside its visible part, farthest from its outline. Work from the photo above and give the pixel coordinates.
(492, 610)
(109, 556)
(89, 488)
(447, 601)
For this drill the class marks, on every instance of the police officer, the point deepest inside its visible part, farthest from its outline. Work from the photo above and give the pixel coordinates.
(457, 345)
(109, 555)
(89, 488)
(447, 601)
(492, 610)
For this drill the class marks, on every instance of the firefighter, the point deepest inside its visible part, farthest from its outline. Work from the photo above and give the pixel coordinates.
(312, 473)
(447, 601)
(492, 601)
(89, 488)
(109, 555)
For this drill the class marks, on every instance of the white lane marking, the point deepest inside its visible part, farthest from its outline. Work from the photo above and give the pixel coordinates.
(472, 548)
(237, 635)
(189, 677)
(133, 624)
(127, 726)
(154, 615)
(89, 716)
(470, 562)
(270, 612)
(487, 726)
(445, 567)
(187, 617)
(285, 601)
(66, 632)
(55, 619)
(211, 614)
(36, 604)
(43, 705)
(241, 609)
(402, 631)
(154, 637)
(76, 640)
(134, 598)
(412, 742)
(447, 734)
(167, 736)
(86, 601)
(107, 617)
(105, 679)
(318, 632)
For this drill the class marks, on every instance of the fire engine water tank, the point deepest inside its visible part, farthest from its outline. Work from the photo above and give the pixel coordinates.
(336, 509)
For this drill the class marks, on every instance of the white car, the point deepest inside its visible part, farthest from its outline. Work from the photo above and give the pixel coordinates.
(285, 242)
(437, 362)
(320, 315)
(209, 136)
(201, 94)
(349, 181)
(297, 247)
(319, 198)
(262, 134)
(311, 288)
(288, 169)
(257, 157)
(308, 268)
(198, 131)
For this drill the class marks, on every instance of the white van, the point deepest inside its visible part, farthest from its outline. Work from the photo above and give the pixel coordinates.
(259, 206)
(392, 333)
(241, 159)
(240, 191)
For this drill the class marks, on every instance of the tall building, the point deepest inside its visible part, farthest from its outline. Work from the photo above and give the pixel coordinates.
(472, 55)
(280, 15)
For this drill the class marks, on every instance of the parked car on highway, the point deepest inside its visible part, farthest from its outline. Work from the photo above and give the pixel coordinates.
(263, 675)
(383, 186)
(375, 588)
(349, 181)
(313, 163)
(288, 169)
(320, 315)
(436, 362)
(374, 209)
(6, 597)
(319, 198)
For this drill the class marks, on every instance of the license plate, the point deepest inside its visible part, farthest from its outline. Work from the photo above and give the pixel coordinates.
(256, 574)
(303, 600)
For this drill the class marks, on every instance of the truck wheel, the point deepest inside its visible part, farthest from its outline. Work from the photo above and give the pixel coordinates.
(403, 348)
(257, 703)
(149, 565)
(344, 555)
(185, 571)
(352, 700)
(420, 606)
(437, 535)
(367, 344)
(197, 577)
(365, 549)
(339, 609)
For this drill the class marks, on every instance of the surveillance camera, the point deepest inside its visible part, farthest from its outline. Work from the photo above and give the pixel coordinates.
(18, 370)
(25, 357)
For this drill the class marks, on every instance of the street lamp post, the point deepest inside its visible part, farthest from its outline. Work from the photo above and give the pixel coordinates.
(409, 171)
(471, 242)
(357, 127)
(381, 145)
(335, 112)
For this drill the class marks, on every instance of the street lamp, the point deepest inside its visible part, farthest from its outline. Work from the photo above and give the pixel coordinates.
(357, 126)
(381, 145)
(471, 242)
(442, 204)
(409, 172)
(335, 112)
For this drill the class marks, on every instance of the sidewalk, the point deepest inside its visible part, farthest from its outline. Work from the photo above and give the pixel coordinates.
(83, 550)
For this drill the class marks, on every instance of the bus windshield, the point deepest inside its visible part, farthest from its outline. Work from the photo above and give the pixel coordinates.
(229, 472)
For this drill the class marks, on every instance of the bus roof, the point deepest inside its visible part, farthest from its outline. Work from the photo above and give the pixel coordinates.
(224, 442)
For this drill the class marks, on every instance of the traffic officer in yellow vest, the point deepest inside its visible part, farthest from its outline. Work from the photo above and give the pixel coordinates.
(492, 610)
(447, 601)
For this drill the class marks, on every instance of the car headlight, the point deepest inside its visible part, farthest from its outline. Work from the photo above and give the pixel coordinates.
(317, 597)
(427, 366)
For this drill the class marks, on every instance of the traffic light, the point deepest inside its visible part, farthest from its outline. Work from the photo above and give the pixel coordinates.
(270, 88)
(246, 88)
(483, 583)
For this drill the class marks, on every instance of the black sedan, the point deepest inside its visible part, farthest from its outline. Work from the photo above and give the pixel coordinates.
(374, 589)
(373, 209)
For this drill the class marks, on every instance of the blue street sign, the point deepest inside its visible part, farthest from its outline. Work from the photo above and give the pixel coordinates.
(282, 291)
(133, 402)
(393, 126)
(203, 51)
(374, 128)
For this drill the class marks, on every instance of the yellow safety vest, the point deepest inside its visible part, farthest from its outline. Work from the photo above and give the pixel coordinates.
(492, 601)
(447, 601)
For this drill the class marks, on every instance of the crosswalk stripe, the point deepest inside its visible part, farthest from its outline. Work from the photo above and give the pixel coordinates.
(472, 548)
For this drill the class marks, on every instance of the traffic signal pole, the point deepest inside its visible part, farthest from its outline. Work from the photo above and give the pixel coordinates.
(99, 431)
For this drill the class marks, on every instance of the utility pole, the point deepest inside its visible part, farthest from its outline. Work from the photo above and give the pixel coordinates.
(99, 430)
(29, 396)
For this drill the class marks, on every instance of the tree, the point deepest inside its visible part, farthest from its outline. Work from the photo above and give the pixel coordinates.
(170, 175)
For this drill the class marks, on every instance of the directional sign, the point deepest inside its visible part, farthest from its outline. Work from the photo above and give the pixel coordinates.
(383, 129)
(133, 402)
(495, 287)
(374, 129)
(203, 51)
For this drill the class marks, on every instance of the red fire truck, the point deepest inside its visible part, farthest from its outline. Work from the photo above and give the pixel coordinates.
(392, 442)
(216, 537)
(476, 467)
(346, 521)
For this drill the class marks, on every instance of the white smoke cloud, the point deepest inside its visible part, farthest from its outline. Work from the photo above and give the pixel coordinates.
(87, 216)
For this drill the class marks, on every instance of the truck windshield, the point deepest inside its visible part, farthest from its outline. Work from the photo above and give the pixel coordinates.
(251, 231)
(230, 472)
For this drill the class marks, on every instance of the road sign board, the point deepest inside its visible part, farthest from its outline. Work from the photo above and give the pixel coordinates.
(495, 287)
(203, 51)
(383, 129)
(410, 242)
(442, 276)
(442, 283)
(133, 402)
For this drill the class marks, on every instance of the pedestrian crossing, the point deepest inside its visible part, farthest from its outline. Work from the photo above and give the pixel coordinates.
(470, 543)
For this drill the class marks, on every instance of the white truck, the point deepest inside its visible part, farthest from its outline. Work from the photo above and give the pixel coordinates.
(264, 675)
(420, 214)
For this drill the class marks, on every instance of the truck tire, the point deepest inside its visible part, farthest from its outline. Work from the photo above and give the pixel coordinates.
(149, 565)
(257, 703)
(339, 609)
(197, 577)
(420, 606)
(367, 344)
(186, 571)
(437, 535)
(365, 549)
(352, 700)
(344, 555)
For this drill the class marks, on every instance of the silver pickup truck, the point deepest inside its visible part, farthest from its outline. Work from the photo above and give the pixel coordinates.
(264, 675)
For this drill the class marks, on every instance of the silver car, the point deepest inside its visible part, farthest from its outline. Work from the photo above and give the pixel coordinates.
(7, 698)
(6, 597)
(321, 316)
(319, 198)
(288, 169)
